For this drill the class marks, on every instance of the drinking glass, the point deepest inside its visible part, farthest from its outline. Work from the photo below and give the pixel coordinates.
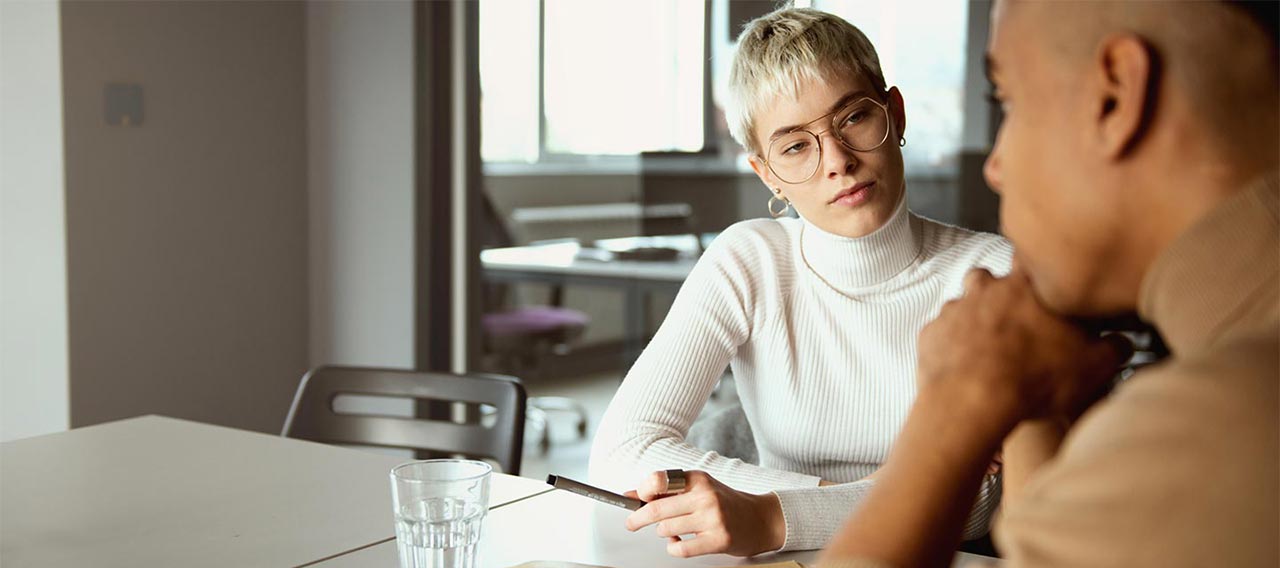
(439, 505)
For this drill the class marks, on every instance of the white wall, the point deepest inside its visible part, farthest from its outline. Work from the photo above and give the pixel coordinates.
(33, 269)
(360, 179)
(187, 232)
(136, 231)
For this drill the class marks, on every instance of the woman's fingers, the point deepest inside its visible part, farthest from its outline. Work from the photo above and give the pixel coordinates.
(653, 486)
(705, 543)
(659, 510)
(676, 526)
(720, 518)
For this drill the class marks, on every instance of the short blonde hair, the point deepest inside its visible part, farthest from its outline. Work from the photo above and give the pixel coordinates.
(779, 50)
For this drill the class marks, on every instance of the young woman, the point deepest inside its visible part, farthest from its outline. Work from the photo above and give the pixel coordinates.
(817, 317)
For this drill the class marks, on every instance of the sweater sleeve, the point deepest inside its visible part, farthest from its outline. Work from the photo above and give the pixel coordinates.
(814, 515)
(644, 427)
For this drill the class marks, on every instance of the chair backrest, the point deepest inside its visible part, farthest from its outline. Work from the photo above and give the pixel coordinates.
(312, 415)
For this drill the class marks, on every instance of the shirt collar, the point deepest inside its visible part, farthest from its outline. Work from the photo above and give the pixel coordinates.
(1216, 271)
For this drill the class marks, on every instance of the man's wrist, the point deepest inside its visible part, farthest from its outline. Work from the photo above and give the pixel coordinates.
(965, 426)
(986, 413)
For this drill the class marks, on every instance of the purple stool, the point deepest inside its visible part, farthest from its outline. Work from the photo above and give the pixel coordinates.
(520, 337)
(545, 323)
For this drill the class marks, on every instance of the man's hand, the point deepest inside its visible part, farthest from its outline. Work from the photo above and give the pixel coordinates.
(723, 520)
(999, 350)
(992, 359)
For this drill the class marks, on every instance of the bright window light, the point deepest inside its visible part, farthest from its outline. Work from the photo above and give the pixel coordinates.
(620, 77)
(623, 76)
(509, 80)
(924, 57)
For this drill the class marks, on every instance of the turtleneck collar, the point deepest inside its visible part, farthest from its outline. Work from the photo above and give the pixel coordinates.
(855, 262)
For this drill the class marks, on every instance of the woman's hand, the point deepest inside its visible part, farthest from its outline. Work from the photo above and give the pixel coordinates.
(722, 520)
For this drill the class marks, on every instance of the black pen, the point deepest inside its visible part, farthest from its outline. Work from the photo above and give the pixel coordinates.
(561, 482)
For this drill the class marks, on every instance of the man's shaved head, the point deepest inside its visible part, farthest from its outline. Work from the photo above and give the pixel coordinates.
(1125, 122)
(1221, 54)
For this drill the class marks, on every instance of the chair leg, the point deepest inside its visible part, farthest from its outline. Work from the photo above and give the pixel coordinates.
(563, 404)
(537, 418)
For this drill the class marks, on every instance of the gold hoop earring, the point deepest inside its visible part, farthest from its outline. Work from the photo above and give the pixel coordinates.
(786, 204)
(902, 141)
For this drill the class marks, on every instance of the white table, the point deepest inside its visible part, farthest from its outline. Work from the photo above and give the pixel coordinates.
(156, 491)
(561, 526)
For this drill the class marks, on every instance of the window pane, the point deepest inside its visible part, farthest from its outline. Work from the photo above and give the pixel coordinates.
(924, 58)
(509, 80)
(623, 76)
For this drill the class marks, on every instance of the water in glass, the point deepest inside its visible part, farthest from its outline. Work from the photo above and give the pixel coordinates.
(440, 532)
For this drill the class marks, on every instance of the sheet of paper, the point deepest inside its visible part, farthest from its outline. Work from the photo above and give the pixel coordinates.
(787, 564)
(555, 564)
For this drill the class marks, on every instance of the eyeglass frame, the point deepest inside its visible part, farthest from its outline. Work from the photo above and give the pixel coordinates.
(835, 132)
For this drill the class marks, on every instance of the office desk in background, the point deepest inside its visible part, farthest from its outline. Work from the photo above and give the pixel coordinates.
(571, 264)
(156, 491)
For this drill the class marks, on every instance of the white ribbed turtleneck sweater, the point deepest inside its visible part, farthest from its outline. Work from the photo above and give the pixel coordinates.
(820, 333)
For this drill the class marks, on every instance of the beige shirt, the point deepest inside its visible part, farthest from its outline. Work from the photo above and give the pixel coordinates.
(1179, 467)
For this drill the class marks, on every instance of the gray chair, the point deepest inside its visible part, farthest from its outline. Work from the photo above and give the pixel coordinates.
(433, 431)
(726, 432)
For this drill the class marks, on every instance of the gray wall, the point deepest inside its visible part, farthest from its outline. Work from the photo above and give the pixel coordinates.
(33, 272)
(360, 170)
(187, 235)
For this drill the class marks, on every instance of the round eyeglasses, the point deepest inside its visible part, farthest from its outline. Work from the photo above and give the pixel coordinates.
(861, 126)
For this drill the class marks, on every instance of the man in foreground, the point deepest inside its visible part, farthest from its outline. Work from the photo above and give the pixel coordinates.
(1137, 163)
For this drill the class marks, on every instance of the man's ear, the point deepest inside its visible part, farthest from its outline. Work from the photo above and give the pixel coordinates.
(1126, 72)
